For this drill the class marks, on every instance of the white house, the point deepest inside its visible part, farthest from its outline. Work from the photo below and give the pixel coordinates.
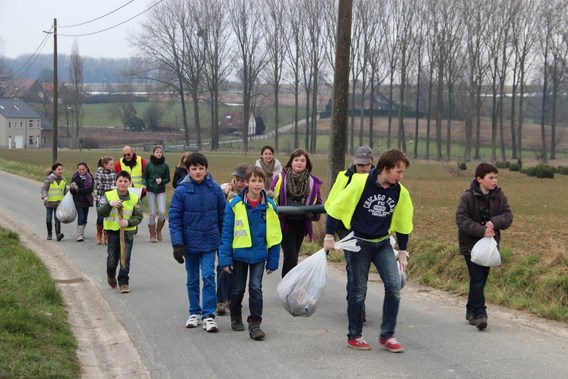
(20, 125)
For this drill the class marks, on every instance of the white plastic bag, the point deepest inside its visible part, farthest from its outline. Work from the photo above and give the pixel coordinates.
(301, 290)
(66, 211)
(486, 253)
(401, 272)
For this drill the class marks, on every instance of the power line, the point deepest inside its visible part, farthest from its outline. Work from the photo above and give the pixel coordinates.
(98, 18)
(34, 56)
(111, 27)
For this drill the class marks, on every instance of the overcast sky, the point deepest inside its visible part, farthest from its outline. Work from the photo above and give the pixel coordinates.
(22, 23)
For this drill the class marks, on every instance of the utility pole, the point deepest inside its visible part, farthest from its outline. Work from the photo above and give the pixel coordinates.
(55, 99)
(337, 142)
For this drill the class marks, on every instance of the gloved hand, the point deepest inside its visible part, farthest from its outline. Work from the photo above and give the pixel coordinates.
(45, 201)
(179, 253)
(328, 242)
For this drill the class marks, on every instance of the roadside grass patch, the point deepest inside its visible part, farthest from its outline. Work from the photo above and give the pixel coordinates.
(35, 339)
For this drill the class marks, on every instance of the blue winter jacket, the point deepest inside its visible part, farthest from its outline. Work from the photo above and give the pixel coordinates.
(257, 223)
(196, 215)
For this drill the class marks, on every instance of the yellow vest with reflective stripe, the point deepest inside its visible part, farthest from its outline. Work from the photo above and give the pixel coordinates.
(56, 191)
(111, 222)
(135, 172)
(241, 231)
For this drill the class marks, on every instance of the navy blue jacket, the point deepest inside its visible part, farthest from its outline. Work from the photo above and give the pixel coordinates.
(196, 215)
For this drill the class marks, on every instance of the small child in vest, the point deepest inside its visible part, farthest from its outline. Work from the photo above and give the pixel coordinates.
(250, 243)
(115, 202)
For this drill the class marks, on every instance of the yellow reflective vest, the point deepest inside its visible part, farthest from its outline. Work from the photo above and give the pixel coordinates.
(343, 206)
(340, 183)
(241, 232)
(56, 191)
(135, 172)
(111, 221)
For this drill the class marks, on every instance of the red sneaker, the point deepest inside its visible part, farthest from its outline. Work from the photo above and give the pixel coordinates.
(391, 344)
(358, 344)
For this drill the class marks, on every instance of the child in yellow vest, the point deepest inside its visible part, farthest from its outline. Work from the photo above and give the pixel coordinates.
(250, 243)
(114, 201)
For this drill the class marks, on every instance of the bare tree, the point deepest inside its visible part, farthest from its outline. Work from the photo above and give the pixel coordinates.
(453, 28)
(76, 84)
(524, 38)
(558, 67)
(276, 44)
(161, 42)
(406, 17)
(245, 18)
(217, 68)
(378, 70)
(392, 32)
(475, 23)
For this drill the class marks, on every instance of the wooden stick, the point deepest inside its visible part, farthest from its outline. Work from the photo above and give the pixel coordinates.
(122, 244)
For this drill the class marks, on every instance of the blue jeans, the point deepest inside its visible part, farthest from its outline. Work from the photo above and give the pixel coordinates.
(113, 257)
(382, 256)
(194, 264)
(240, 271)
(82, 215)
(476, 298)
(224, 285)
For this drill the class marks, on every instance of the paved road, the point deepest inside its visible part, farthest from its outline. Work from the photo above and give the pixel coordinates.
(142, 334)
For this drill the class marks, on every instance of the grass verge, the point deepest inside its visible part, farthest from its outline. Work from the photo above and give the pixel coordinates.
(35, 340)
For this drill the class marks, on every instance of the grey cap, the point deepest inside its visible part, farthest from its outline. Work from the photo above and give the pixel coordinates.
(240, 170)
(363, 155)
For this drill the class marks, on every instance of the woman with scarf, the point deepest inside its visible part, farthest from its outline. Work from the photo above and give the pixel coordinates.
(82, 185)
(296, 186)
(270, 165)
(155, 177)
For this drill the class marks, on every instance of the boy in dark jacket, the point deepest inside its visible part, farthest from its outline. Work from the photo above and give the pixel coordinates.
(251, 239)
(196, 216)
(483, 211)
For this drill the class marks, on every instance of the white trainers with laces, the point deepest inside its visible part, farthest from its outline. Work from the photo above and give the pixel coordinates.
(210, 325)
(193, 321)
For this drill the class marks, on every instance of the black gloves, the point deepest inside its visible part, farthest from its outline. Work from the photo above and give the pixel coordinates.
(179, 253)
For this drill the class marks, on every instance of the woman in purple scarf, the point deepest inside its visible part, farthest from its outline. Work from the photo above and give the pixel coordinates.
(81, 187)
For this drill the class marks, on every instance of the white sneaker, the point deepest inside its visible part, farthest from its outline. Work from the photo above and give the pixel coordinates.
(192, 321)
(210, 325)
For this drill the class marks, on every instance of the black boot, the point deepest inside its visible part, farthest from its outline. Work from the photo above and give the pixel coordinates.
(237, 322)
(58, 231)
(49, 228)
(255, 332)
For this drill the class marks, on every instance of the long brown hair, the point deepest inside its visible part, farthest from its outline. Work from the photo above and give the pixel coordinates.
(298, 153)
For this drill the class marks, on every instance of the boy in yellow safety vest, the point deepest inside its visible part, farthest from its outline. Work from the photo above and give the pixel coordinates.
(250, 243)
(115, 200)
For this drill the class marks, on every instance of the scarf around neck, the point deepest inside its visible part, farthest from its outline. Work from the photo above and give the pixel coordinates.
(297, 184)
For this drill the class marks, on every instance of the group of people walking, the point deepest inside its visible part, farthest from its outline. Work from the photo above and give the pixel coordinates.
(227, 235)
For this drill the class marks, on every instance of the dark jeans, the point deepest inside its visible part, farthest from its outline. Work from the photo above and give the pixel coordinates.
(240, 271)
(382, 256)
(224, 285)
(113, 257)
(49, 216)
(477, 278)
(82, 215)
(292, 243)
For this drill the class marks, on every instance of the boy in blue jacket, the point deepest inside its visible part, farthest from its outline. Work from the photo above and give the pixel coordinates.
(251, 240)
(196, 220)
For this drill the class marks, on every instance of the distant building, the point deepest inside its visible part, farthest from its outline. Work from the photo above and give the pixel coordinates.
(20, 126)
(26, 89)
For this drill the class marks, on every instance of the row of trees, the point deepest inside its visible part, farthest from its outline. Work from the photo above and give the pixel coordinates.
(445, 58)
